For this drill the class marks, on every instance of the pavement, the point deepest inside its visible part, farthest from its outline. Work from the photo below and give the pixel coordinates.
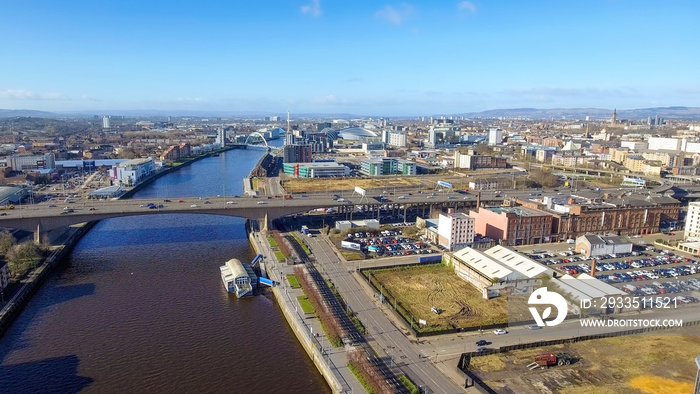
(336, 358)
(387, 334)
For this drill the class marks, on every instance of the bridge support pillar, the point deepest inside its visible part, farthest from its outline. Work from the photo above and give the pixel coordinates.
(38, 233)
(264, 224)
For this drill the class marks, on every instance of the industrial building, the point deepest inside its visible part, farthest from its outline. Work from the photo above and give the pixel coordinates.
(599, 245)
(498, 269)
(586, 287)
(12, 195)
(316, 169)
(343, 225)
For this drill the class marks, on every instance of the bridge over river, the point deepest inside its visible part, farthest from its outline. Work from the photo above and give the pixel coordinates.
(42, 218)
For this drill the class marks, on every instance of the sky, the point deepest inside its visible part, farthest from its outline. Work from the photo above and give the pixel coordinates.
(360, 57)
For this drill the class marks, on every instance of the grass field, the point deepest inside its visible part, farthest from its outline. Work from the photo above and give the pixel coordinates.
(305, 304)
(293, 281)
(279, 255)
(630, 364)
(420, 288)
(271, 241)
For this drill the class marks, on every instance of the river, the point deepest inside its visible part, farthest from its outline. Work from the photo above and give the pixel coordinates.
(139, 307)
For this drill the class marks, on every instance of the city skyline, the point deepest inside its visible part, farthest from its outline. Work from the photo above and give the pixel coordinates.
(314, 56)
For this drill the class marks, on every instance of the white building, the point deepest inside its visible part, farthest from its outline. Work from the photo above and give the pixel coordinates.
(495, 136)
(664, 143)
(32, 162)
(598, 245)
(221, 136)
(133, 171)
(105, 122)
(397, 139)
(692, 221)
(455, 230)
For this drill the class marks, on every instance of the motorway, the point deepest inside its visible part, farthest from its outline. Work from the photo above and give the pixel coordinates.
(387, 337)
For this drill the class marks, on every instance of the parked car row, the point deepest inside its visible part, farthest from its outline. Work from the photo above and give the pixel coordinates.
(657, 273)
(627, 264)
(657, 288)
(388, 242)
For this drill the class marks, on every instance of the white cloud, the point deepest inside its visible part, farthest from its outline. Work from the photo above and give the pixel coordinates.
(313, 9)
(466, 6)
(21, 94)
(395, 15)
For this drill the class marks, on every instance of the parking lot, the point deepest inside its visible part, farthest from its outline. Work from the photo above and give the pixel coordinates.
(388, 243)
(645, 272)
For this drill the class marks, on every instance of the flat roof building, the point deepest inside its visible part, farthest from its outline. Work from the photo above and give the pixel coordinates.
(316, 169)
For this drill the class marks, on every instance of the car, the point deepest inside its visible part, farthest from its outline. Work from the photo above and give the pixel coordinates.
(180, 200)
(500, 331)
(207, 202)
(52, 205)
(534, 327)
(91, 209)
(481, 349)
(482, 342)
(261, 202)
(229, 202)
(194, 206)
(166, 200)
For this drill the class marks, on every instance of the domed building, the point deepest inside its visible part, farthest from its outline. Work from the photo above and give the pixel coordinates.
(355, 133)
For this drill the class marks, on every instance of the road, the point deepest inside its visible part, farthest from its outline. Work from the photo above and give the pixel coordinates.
(387, 337)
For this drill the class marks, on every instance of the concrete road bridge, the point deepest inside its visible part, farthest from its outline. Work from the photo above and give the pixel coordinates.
(41, 218)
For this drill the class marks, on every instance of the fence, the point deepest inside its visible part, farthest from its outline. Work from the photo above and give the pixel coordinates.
(403, 313)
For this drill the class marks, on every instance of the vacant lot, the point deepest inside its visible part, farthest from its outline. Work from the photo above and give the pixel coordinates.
(302, 185)
(631, 364)
(420, 288)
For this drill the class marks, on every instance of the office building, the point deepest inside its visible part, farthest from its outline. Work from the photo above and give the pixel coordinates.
(32, 162)
(513, 225)
(105, 122)
(221, 136)
(455, 230)
(495, 136)
(132, 172)
(316, 169)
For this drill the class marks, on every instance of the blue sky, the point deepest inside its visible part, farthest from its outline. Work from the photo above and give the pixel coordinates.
(361, 57)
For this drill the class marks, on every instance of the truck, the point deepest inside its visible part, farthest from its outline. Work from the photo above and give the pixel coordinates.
(430, 259)
(550, 359)
(7, 207)
(305, 230)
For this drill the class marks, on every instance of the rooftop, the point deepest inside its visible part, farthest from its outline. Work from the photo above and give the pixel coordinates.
(520, 211)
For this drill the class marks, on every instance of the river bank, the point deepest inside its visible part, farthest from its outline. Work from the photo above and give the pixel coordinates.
(289, 310)
(129, 193)
(34, 279)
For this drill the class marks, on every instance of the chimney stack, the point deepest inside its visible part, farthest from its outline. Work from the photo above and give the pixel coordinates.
(478, 200)
(593, 268)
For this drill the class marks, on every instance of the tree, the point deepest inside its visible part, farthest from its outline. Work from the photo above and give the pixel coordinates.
(7, 241)
(23, 257)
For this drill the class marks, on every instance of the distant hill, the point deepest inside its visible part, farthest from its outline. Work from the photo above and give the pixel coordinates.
(687, 113)
(12, 113)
